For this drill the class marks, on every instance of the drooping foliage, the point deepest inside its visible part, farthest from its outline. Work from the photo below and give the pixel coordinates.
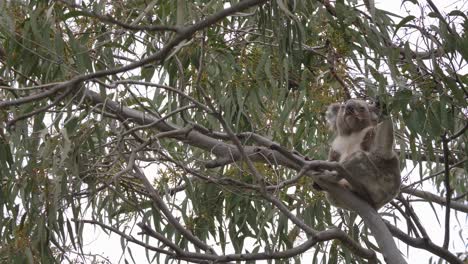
(121, 112)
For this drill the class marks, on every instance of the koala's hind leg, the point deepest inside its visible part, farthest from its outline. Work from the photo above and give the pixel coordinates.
(383, 141)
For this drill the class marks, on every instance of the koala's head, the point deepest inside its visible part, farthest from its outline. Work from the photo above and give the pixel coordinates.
(352, 116)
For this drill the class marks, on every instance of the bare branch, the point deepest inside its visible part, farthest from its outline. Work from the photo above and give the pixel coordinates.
(57, 100)
(159, 203)
(122, 234)
(448, 188)
(413, 216)
(372, 219)
(110, 20)
(458, 164)
(435, 199)
(35, 97)
(319, 236)
(424, 244)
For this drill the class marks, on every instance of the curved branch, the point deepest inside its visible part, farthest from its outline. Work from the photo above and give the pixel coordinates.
(182, 35)
(34, 97)
(159, 203)
(372, 219)
(424, 244)
(226, 153)
(321, 236)
(181, 254)
(122, 234)
(56, 101)
(340, 235)
(435, 199)
(110, 20)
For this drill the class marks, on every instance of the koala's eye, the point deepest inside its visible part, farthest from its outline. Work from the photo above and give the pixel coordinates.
(362, 108)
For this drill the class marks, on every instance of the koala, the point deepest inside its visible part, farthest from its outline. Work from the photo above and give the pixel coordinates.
(364, 148)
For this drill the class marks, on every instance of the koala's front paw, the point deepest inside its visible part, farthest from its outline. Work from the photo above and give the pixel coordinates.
(345, 184)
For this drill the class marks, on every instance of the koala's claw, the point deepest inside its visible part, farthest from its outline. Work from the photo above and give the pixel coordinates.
(345, 184)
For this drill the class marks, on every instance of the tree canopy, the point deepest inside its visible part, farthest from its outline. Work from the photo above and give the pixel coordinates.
(198, 120)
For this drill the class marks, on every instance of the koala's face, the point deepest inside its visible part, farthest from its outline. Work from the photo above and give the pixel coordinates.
(353, 116)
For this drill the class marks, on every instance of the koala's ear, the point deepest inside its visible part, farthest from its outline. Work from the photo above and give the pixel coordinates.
(331, 114)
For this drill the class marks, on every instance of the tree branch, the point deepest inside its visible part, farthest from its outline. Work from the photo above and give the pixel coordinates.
(424, 244)
(435, 198)
(372, 219)
(159, 203)
(127, 237)
(183, 34)
(448, 190)
(110, 20)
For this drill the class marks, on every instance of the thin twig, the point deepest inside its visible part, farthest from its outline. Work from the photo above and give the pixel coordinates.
(430, 197)
(122, 234)
(159, 203)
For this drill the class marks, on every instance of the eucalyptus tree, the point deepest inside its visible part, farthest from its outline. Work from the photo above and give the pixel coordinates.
(202, 122)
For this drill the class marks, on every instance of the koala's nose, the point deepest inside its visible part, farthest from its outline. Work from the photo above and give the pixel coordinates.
(349, 108)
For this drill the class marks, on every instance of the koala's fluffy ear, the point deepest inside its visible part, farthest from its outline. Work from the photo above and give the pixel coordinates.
(331, 114)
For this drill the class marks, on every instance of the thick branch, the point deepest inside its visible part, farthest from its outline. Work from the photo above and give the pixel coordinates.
(226, 153)
(424, 244)
(372, 219)
(340, 235)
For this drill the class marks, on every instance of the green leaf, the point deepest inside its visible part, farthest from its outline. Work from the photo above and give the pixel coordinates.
(457, 13)
(403, 22)
(29, 255)
(412, 1)
(417, 120)
(402, 99)
(71, 234)
(71, 125)
(147, 73)
(434, 126)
